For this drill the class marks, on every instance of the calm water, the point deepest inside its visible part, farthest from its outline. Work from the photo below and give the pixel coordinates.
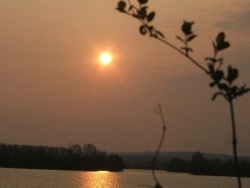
(128, 179)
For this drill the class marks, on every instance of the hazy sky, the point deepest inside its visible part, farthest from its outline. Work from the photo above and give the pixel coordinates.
(54, 91)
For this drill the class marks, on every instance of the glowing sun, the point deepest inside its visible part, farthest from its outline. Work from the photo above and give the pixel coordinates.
(105, 58)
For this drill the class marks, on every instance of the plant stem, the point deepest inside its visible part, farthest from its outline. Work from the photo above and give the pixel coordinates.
(184, 54)
(234, 142)
(201, 67)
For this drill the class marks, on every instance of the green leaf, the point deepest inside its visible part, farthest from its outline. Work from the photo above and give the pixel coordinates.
(212, 84)
(234, 89)
(214, 45)
(211, 67)
(220, 37)
(213, 60)
(223, 87)
(132, 7)
(223, 45)
(151, 16)
(191, 37)
(151, 31)
(158, 185)
(216, 94)
(160, 34)
(232, 74)
(246, 90)
(151, 28)
(187, 49)
(243, 90)
(187, 27)
(143, 13)
(220, 60)
(143, 29)
(142, 1)
(218, 75)
(121, 6)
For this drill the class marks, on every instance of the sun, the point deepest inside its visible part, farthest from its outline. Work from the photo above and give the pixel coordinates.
(105, 58)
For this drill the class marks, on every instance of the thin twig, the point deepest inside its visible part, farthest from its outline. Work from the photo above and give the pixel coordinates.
(173, 46)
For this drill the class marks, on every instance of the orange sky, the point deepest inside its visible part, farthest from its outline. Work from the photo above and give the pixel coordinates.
(54, 92)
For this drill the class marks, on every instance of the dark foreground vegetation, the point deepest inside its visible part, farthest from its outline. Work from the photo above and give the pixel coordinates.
(74, 157)
(187, 162)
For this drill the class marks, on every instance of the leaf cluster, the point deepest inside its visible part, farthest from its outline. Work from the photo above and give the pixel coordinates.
(188, 36)
(141, 13)
(223, 80)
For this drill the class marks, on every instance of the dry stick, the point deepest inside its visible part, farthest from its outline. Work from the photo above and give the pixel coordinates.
(158, 185)
(160, 144)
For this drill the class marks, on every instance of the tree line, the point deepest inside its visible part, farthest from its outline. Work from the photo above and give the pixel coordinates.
(194, 163)
(74, 157)
(198, 165)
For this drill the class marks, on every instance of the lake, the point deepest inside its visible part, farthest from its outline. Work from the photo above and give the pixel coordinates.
(26, 178)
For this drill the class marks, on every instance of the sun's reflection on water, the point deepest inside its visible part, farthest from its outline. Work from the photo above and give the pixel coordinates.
(99, 179)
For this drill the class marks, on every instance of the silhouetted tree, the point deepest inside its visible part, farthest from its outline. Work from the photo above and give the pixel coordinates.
(115, 163)
(74, 157)
(177, 165)
(198, 164)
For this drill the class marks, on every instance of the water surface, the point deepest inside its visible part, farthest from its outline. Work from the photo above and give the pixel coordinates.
(26, 178)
